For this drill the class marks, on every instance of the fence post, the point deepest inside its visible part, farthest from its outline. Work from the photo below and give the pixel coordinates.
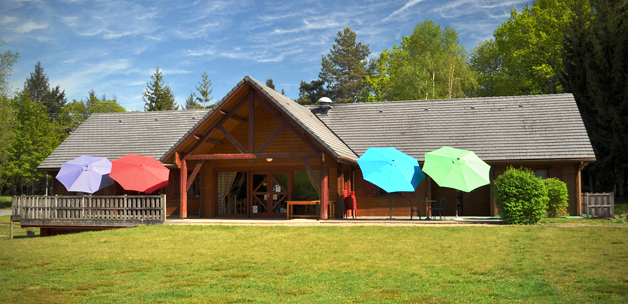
(163, 206)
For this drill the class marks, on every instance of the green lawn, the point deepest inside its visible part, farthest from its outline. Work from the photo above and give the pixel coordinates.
(5, 202)
(230, 264)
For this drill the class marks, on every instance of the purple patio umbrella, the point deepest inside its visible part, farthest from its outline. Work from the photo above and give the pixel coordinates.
(85, 174)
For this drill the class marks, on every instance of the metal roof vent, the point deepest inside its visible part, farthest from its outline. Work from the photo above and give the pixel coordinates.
(324, 104)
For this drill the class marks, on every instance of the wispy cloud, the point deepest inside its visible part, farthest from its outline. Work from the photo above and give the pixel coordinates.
(30, 26)
(408, 5)
(8, 19)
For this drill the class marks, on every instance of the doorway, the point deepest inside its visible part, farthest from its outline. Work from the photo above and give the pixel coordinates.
(269, 194)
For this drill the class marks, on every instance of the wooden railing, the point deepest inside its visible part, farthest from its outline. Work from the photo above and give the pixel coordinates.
(598, 204)
(89, 211)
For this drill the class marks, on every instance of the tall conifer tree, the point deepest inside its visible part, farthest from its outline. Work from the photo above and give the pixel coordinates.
(205, 90)
(157, 96)
(39, 88)
(344, 68)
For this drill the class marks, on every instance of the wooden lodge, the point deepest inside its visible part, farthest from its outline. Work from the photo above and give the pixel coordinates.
(257, 149)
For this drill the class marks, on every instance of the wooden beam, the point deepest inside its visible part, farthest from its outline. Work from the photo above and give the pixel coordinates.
(215, 127)
(240, 119)
(209, 140)
(232, 139)
(193, 176)
(250, 156)
(177, 161)
(270, 139)
(251, 123)
(288, 124)
(312, 174)
(183, 192)
(324, 190)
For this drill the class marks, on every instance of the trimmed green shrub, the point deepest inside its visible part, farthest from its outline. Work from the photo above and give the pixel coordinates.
(521, 197)
(558, 197)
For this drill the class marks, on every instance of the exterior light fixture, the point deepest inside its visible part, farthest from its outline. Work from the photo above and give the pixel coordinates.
(269, 159)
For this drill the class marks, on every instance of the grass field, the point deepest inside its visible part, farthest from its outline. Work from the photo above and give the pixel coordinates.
(362, 264)
(5, 202)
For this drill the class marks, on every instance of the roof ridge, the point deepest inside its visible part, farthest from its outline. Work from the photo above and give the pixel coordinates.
(453, 99)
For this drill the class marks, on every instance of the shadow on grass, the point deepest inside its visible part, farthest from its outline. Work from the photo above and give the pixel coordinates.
(5, 202)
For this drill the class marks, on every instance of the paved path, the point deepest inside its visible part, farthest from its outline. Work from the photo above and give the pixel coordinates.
(5, 212)
(361, 221)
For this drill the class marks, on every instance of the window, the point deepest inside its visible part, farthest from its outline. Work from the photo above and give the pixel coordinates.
(542, 173)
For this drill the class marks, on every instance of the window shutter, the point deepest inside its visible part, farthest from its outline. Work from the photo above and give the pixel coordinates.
(370, 190)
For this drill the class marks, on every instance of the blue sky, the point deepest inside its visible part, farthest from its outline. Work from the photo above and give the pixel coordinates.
(114, 46)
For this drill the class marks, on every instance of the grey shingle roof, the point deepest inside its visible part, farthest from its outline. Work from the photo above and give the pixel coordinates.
(497, 128)
(114, 135)
(298, 113)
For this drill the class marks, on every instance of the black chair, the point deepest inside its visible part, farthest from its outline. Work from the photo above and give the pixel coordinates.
(441, 206)
(412, 210)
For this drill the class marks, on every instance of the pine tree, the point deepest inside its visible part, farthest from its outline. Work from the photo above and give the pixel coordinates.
(270, 84)
(39, 88)
(311, 92)
(158, 96)
(344, 68)
(205, 90)
(191, 104)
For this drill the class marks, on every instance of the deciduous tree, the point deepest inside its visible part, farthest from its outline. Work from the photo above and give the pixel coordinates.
(430, 63)
(35, 138)
(596, 71)
(7, 59)
(531, 43)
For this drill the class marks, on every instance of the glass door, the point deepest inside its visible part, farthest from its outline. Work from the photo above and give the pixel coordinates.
(269, 194)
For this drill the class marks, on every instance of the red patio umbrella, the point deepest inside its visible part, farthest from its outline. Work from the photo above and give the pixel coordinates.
(139, 173)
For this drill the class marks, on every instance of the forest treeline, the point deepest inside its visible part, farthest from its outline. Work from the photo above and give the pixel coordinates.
(551, 46)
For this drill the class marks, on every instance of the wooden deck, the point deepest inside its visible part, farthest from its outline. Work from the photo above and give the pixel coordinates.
(88, 211)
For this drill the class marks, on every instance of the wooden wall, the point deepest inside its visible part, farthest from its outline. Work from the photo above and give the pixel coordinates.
(265, 125)
(479, 202)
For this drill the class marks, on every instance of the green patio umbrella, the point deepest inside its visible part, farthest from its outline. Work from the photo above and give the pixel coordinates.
(455, 168)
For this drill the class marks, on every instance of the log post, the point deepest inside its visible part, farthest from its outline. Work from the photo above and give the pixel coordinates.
(183, 204)
(10, 229)
(324, 191)
(163, 206)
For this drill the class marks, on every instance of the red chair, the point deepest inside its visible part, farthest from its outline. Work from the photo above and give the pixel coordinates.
(350, 202)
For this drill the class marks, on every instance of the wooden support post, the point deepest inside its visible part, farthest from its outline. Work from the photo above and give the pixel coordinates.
(10, 229)
(183, 204)
(251, 123)
(579, 189)
(324, 188)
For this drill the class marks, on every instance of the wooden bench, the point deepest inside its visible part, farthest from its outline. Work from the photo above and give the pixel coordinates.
(291, 205)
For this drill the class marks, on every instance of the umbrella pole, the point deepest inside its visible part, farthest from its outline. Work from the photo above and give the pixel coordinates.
(390, 196)
(458, 194)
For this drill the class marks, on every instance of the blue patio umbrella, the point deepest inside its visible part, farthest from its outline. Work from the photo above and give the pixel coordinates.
(85, 174)
(391, 170)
